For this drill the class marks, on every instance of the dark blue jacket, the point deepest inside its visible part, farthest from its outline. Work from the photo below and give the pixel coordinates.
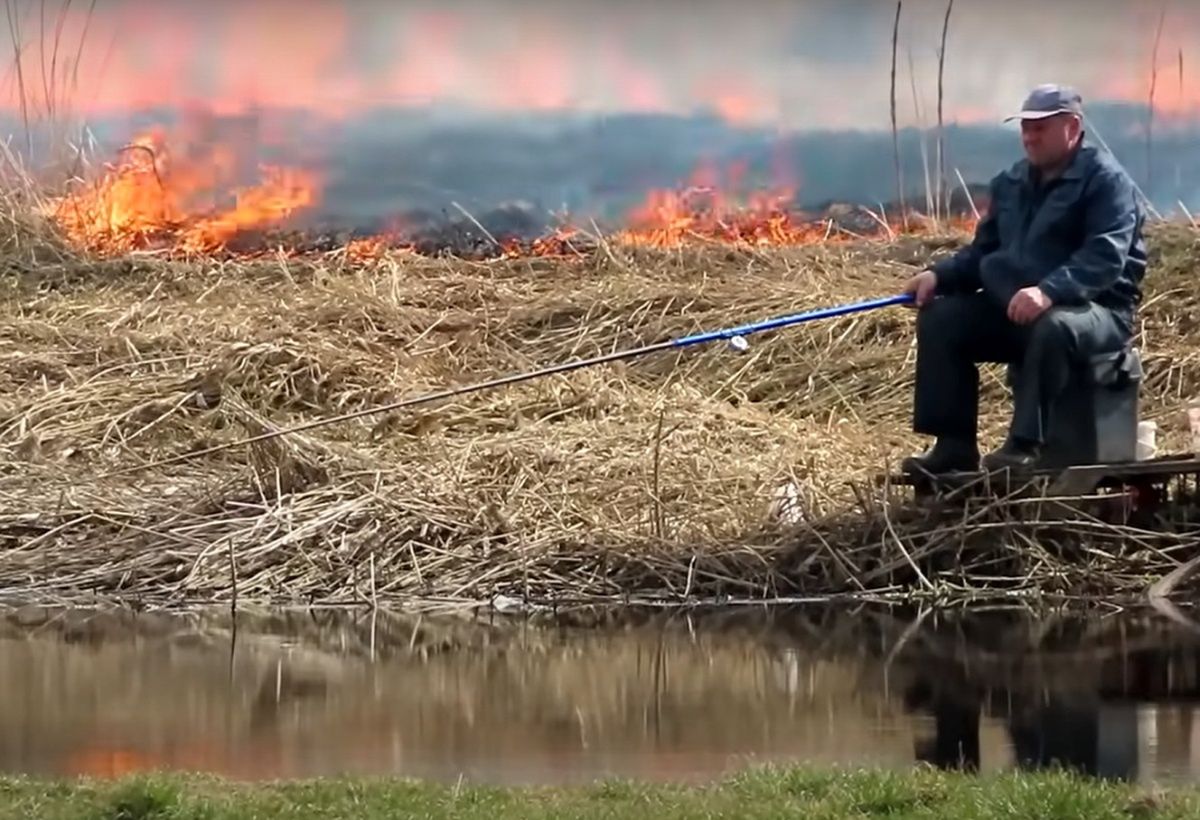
(1079, 238)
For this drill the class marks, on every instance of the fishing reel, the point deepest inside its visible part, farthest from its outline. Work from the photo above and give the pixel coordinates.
(738, 344)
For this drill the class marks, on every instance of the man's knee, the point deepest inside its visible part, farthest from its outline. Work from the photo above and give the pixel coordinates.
(1076, 331)
(1081, 331)
(1055, 327)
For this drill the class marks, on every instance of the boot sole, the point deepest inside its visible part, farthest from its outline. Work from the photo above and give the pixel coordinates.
(917, 468)
(992, 467)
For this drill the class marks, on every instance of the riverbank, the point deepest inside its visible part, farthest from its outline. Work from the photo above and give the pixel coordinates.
(655, 480)
(759, 793)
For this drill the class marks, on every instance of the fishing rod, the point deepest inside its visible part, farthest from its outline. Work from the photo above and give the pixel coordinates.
(736, 337)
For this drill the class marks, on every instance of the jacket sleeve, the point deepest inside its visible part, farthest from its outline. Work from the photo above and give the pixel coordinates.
(1110, 221)
(960, 272)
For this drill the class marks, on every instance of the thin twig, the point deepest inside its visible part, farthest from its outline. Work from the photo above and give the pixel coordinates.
(941, 148)
(1162, 16)
(477, 224)
(895, 130)
(655, 486)
(967, 193)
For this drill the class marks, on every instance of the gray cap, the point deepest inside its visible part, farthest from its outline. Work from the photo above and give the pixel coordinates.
(1048, 100)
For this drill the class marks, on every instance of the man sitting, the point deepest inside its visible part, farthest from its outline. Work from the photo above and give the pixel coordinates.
(1052, 276)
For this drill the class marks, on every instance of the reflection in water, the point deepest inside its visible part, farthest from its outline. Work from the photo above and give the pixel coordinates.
(678, 697)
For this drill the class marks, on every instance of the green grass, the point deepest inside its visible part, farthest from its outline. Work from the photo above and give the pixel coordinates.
(762, 793)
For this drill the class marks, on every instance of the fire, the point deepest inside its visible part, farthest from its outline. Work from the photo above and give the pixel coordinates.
(668, 219)
(365, 250)
(341, 59)
(152, 197)
(709, 209)
(560, 242)
(185, 201)
(282, 192)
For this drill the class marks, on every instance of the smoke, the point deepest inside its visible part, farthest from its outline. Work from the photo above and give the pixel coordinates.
(583, 107)
(795, 64)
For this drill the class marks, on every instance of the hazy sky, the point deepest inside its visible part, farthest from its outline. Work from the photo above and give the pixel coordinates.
(795, 63)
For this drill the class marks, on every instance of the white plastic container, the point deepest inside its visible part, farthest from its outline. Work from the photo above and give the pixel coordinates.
(1146, 434)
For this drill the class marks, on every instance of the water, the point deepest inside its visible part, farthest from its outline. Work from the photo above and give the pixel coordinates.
(661, 698)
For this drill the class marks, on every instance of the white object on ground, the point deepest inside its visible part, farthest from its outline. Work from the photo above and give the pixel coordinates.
(506, 603)
(1146, 432)
(1194, 423)
(785, 506)
(738, 344)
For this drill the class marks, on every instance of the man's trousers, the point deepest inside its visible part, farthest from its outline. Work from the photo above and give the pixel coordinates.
(956, 333)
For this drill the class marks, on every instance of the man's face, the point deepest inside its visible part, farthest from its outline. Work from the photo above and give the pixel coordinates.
(1049, 141)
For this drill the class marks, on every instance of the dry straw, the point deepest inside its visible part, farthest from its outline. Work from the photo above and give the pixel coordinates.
(649, 480)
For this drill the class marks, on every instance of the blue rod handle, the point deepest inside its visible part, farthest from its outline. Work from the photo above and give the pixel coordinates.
(793, 319)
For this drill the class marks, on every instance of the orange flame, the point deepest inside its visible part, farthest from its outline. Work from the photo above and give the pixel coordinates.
(153, 197)
(709, 210)
(562, 242)
(365, 250)
(669, 219)
(282, 192)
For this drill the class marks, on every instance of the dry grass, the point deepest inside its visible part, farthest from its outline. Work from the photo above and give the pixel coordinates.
(649, 479)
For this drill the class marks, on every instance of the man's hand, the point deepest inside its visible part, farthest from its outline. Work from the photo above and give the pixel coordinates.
(1027, 305)
(921, 287)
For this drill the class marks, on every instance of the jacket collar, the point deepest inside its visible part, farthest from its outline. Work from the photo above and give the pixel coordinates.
(1022, 171)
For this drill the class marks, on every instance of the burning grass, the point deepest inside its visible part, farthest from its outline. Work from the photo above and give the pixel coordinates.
(198, 192)
(650, 479)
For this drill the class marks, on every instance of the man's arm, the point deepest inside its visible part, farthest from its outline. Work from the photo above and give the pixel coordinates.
(960, 272)
(1110, 221)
